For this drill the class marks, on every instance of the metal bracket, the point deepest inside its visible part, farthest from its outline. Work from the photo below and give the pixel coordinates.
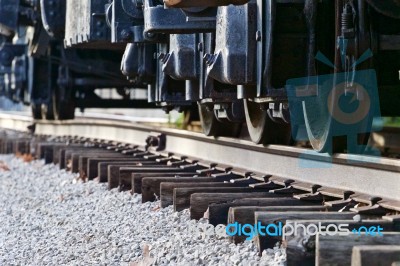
(156, 142)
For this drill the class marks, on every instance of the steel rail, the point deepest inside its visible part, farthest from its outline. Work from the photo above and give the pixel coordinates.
(365, 174)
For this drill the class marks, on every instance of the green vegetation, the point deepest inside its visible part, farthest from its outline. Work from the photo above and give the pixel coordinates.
(391, 121)
(178, 123)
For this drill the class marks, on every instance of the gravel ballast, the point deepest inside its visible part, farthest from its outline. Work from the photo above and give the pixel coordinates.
(49, 217)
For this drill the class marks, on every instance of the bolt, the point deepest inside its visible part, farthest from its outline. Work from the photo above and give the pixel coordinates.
(200, 47)
(139, 3)
(266, 178)
(152, 141)
(248, 174)
(314, 188)
(287, 182)
(347, 194)
(374, 200)
(160, 56)
(150, 35)
(167, 109)
(125, 34)
(258, 36)
(207, 57)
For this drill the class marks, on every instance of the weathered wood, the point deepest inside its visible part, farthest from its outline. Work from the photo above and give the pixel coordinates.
(4, 146)
(151, 185)
(246, 214)
(80, 151)
(113, 174)
(167, 190)
(137, 179)
(78, 156)
(200, 202)
(56, 152)
(45, 149)
(300, 247)
(8, 146)
(92, 164)
(57, 148)
(102, 169)
(2, 141)
(46, 152)
(63, 153)
(266, 218)
(85, 166)
(182, 195)
(126, 174)
(218, 211)
(22, 146)
(375, 255)
(337, 250)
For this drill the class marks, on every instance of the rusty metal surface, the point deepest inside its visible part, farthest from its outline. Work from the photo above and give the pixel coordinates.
(86, 23)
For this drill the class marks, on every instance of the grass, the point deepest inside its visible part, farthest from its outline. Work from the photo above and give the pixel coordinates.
(391, 121)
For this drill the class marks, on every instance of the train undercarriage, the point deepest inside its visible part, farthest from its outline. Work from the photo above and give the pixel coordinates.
(283, 68)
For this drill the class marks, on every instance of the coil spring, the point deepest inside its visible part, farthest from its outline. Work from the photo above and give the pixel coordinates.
(347, 18)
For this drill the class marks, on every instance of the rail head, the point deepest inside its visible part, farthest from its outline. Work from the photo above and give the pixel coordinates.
(366, 174)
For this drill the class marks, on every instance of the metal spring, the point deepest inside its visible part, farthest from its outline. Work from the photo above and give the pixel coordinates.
(347, 18)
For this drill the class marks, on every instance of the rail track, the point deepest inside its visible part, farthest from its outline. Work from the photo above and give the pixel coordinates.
(230, 180)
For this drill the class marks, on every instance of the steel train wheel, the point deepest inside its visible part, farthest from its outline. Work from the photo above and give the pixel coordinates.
(36, 111)
(58, 108)
(62, 109)
(47, 111)
(318, 123)
(319, 129)
(262, 129)
(317, 113)
(213, 127)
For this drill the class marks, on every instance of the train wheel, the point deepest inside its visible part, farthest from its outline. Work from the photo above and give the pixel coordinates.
(59, 108)
(262, 129)
(62, 109)
(213, 127)
(319, 110)
(36, 111)
(47, 111)
(319, 124)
